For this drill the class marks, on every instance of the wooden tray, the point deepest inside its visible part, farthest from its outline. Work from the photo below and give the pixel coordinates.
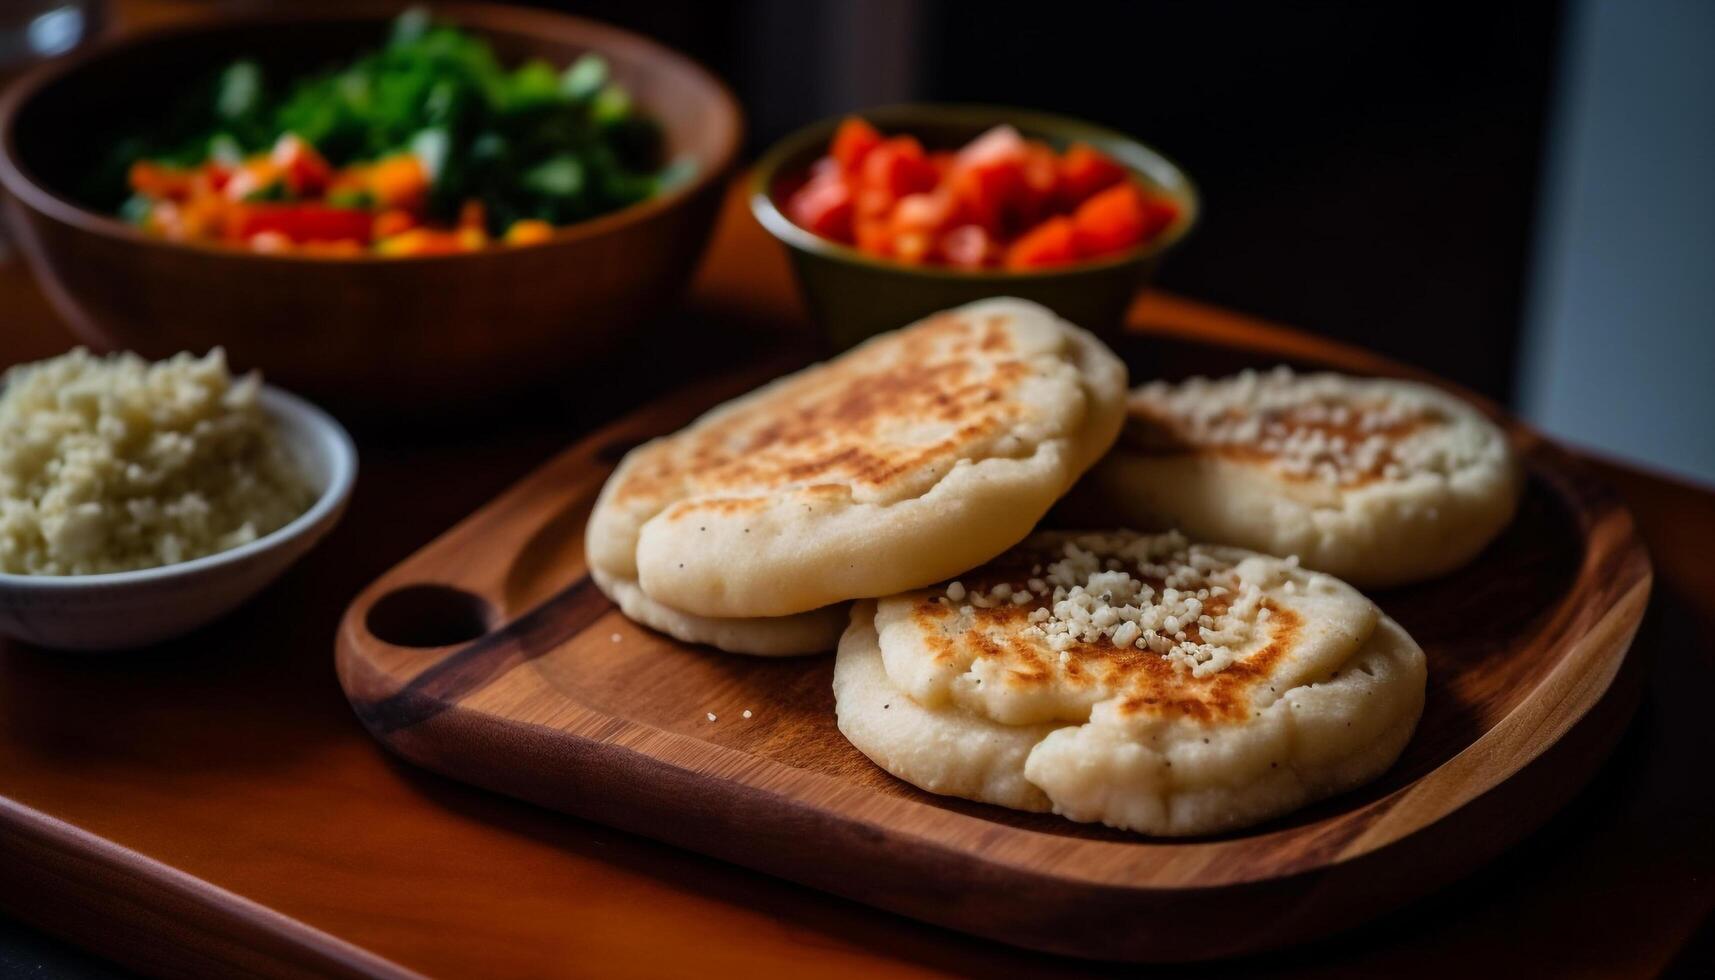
(490, 657)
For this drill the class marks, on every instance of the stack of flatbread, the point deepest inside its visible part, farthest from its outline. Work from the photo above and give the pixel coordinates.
(1212, 673)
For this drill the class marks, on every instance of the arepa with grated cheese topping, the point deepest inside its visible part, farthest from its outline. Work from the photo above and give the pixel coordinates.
(1378, 481)
(1140, 681)
(914, 456)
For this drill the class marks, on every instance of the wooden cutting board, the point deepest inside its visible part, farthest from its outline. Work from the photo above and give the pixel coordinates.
(489, 656)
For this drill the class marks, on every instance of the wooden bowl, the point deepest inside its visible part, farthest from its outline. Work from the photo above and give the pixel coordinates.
(853, 295)
(371, 331)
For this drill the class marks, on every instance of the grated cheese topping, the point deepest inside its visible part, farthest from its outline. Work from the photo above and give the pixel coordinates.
(1158, 593)
(1324, 427)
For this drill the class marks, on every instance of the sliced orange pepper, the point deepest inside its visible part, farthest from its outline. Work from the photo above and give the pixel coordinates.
(393, 222)
(421, 241)
(154, 180)
(399, 182)
(529, 231)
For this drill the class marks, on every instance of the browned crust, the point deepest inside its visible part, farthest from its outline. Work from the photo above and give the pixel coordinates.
(829, 426)
(1150, 683)
(1159, 434)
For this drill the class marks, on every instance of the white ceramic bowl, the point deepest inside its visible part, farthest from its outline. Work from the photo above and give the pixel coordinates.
(121, 610)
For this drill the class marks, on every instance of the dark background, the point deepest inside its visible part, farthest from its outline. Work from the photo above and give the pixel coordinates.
(1368, 170)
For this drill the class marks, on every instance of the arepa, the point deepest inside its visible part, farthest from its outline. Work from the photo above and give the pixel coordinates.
(914, 456)
(1379, 482)
(1139, 681)
(816, 631)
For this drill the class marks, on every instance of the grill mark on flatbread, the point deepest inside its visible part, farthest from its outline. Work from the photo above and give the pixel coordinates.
(817, 440)
(912, 457)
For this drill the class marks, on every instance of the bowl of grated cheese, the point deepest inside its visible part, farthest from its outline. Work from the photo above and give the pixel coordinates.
(139, 500)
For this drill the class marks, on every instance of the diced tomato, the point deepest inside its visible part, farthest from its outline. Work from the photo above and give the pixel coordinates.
(1158, 214)
(942, 161)
(912, 246)
(988, 180)
(1041, 185)
(1084, 170)
(1048, 244)
(874, 235)
(899, 167)
(872, 204)
(824, 167)
(925, 211)
(824, 206)
(968, 247)
(1002, 144)
(1110, 221)
(306, 172)
(1000, 201)
(1117, 219)
(990, 193)
(852, 142)
(303, 222)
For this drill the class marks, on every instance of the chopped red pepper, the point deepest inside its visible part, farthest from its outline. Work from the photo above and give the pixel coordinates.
(303, 222)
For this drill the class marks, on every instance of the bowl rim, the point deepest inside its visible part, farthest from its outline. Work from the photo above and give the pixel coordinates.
(288, 411)
(1158, 169)
(30, 191)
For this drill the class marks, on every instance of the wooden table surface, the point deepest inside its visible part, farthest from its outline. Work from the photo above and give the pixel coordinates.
(214, 802)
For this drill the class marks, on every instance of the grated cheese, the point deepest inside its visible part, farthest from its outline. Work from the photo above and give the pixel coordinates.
(1158, 593)
(1320, 427)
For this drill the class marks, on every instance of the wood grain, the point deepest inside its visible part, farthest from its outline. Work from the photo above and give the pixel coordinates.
(564, 702)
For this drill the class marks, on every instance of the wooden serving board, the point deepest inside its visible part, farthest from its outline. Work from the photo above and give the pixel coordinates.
(489, 656)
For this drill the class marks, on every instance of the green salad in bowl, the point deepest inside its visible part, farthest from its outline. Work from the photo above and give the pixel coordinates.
(427, 144)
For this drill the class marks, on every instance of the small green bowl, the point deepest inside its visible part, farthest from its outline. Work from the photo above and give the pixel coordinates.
(853, 296)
